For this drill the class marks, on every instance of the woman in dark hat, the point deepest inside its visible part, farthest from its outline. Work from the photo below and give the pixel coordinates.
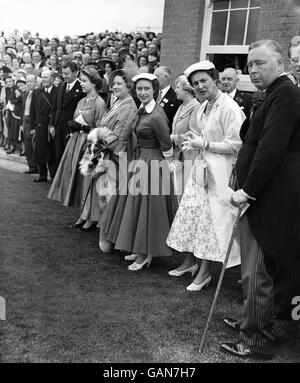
(112, 135)
(69, 186)
(139, 222)
(10, 97)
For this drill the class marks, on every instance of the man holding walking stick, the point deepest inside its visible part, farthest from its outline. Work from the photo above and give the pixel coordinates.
(268, 168)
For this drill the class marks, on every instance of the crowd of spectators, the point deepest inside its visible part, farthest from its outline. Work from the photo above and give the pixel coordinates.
(26, 54)
(107, 51)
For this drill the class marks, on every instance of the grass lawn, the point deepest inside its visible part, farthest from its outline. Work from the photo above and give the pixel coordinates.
(67, 302)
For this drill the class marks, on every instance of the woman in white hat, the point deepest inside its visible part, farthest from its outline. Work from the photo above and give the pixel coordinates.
(204, 220)
(139, 222)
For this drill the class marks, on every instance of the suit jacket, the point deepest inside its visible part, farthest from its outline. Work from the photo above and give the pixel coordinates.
(170, 104)
(65, 105)
(40, 111)
(244, 101)
(268, 168)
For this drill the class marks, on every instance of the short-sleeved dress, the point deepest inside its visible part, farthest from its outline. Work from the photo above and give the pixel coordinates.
(68, 185)
(140, 221)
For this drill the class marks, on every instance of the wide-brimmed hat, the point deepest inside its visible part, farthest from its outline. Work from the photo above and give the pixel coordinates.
(105, 60)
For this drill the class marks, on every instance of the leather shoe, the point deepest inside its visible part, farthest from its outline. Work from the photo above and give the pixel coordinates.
(241, 350)
(40, 180)
(232, 323)
(30, 172)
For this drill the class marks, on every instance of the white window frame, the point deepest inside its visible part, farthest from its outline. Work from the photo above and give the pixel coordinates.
(206, 48)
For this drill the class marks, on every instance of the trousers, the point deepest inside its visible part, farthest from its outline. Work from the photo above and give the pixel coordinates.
(258, 273)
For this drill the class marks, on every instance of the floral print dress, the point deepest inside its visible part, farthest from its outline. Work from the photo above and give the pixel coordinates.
(204, 220)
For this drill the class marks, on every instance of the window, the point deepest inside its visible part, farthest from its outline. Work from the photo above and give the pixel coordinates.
(228, 29)
(234, 22)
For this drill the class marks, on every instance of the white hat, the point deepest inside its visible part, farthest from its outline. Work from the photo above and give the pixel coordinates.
(201, 65)
(144, 76)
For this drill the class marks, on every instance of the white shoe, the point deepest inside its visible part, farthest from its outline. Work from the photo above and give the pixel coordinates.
(131, 257)
(138, 266)
(194, 287)
(192, 270)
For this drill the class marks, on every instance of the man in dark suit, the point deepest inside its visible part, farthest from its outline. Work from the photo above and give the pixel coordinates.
(68, 95)
(25, 124)
(40, 110)
(267, 167)
(26, 39)
(229, 80)
(167, 98)
(38, 62)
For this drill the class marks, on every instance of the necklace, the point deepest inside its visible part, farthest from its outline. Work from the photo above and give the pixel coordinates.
(91, 98)
(210, 103)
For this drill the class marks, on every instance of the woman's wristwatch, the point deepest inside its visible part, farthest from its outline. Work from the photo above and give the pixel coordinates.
(206, 145)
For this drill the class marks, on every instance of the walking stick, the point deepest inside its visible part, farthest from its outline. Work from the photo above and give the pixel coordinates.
(234, 231)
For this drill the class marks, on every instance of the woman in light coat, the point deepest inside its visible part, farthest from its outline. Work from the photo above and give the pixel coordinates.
(204, 220)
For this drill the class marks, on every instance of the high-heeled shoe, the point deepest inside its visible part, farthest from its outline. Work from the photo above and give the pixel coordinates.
(90, 228)
(194, 287)
(192, 270)
(138, 266)
(76, 225)
(11, 151)
(131, 257)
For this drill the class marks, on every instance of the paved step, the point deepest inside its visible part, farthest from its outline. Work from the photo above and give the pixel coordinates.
(12, 157)
(12, 162)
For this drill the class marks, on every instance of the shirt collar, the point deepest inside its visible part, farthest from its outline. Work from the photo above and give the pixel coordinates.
(71, 84)
(232, 94)
(165, 91)
(149, 107)
(48, 90)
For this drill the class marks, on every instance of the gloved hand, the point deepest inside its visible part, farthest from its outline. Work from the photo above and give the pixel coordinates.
(86, 129)
(193, 142)
(74, 126)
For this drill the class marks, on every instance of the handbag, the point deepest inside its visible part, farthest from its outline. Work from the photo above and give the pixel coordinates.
(200, 171)
(233, 181)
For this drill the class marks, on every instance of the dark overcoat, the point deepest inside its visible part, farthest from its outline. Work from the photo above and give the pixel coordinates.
(268, 168)
(65, 105)
(244, 100)
(40, 111)
(170, 104)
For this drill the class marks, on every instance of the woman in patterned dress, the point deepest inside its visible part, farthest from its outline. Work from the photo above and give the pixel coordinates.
(204, 219)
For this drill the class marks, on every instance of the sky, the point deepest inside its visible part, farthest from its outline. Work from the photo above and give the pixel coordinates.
(72, 17)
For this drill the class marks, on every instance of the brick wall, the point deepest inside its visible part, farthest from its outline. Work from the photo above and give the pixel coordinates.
(183, 24)
(279, 20)
(182, 32)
